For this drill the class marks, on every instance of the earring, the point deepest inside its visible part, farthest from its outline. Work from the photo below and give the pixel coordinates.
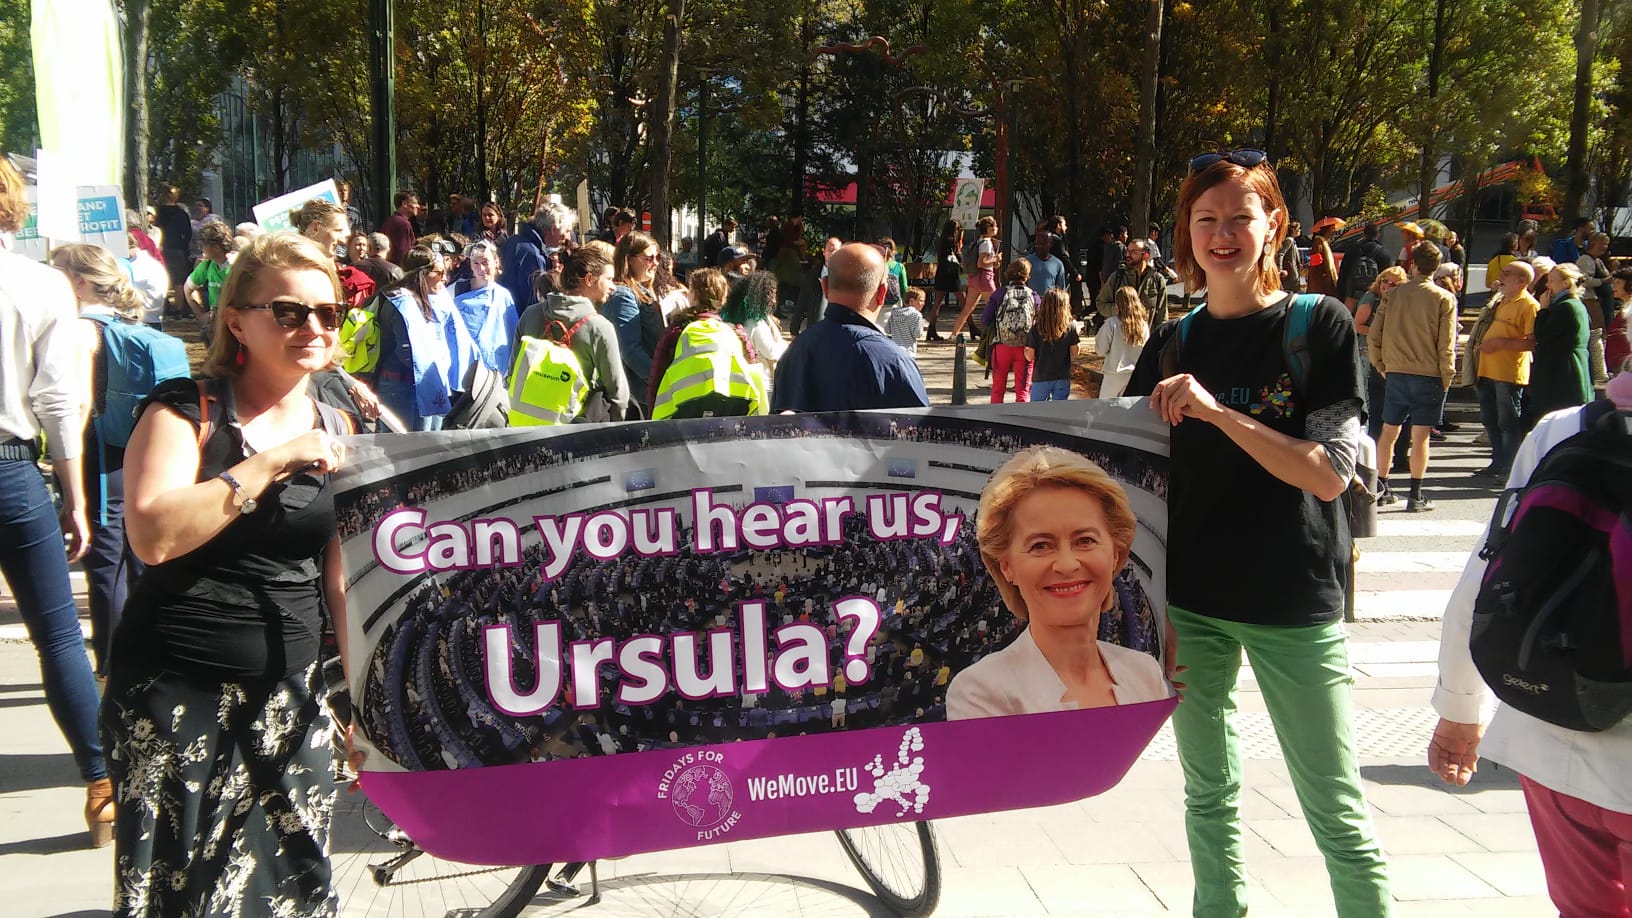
(242, 357)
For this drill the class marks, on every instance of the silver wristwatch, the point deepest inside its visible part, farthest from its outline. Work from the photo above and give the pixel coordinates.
(246, 504)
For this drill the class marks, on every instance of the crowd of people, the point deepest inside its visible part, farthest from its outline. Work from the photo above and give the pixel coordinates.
(211, 537)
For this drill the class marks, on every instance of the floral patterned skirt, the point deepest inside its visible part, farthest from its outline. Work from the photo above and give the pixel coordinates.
(224, 793)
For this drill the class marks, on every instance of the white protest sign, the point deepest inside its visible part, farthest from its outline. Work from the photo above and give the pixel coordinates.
(102, 218)
(273, 214)
(966, 201)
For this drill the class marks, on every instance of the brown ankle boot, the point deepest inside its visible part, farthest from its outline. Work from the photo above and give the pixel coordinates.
(99, 812)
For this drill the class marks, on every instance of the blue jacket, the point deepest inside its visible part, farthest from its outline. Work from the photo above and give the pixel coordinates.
(522, 256)
(844, 363)
(638, 330)
(490, 316)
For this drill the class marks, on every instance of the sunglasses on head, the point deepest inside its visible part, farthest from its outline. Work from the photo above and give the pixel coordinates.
(1246, 159)
(290, 314)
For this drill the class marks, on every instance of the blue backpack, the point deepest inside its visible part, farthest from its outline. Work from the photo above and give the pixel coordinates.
(1294, 347)
(133, 360)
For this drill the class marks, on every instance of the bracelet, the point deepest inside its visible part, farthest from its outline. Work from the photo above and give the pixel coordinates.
(246, 504)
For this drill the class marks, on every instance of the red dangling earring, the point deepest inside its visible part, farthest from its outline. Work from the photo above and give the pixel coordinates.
(242, 357)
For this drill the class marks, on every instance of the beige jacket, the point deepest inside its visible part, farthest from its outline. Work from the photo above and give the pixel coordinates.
(1414, 331)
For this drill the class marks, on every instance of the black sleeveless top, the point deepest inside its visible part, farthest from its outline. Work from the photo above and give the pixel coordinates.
(248, 604)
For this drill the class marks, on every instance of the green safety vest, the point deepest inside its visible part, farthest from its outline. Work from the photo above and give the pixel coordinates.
(708, 360)
(547, 382)
(360, 340)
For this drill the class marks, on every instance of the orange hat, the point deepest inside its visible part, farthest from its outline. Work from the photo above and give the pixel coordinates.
(1334, 222)
(1412, 229)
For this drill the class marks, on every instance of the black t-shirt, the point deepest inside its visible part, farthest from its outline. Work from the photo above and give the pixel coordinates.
(247, 604)
(1053, 357)
(1242, 544)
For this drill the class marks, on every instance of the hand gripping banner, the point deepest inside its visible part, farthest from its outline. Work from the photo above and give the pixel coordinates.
(591, 641)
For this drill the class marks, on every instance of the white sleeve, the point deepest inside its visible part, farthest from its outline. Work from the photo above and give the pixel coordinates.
(57, 393)
(1461, 694)
(767, 342)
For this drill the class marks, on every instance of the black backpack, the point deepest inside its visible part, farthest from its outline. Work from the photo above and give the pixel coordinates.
(1365, 271)
(1552, 625)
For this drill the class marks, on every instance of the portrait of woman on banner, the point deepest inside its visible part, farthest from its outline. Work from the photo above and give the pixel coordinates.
(1055, 531)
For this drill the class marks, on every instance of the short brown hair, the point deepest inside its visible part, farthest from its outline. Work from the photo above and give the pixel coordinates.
(13, 199)
(913, 295)
(265, 253)
(1018, 272)
(1259, 179)
(1425, 255)
(585, 262)
(1044, 467)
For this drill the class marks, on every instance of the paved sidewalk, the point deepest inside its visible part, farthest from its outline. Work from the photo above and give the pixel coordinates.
(1451, 852)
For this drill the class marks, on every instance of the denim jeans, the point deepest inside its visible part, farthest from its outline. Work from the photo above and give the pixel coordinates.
(111, 569)
(1050, 390)
(36, 570)
(1501, 406)
(1303, 673)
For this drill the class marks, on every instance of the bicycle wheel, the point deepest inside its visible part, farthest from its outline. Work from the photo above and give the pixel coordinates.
(379, 872)
(900, 862)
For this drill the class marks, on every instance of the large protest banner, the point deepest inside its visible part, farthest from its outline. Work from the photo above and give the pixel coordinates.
(590, 641)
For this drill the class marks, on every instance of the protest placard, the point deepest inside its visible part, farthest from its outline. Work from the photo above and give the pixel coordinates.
(273, 214)
(588, 641)
(966, 197)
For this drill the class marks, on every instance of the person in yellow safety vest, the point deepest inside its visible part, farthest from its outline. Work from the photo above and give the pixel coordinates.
(710, 376)
(709, 289)
(360, 339)
(568, 317)
(547, 384)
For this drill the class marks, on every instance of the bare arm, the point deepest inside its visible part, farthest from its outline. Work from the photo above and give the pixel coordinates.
(168, 513)
(1303, 464)
(334, 593)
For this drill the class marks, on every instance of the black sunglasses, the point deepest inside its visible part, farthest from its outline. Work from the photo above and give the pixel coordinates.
(290, 314)
(1246, 159)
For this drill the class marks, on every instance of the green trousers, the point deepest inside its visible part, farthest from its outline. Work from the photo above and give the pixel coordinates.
(1304, 676)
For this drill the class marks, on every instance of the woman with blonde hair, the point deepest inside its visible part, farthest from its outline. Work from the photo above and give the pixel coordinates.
(1559, 369)
(1279, 450)
(1121, 340)
(214, 716)
(1055, 531)
(634, 310)
(105, 296)
(1364, 311)
(1051, 347)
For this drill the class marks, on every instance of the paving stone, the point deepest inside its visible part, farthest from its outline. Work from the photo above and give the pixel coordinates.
(1496, 831)
(1511, 873)
(1422, 835)
(1067, 890)
(1434, 876)
(978, 892)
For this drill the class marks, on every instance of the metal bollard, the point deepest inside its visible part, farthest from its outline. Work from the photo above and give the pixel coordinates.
(960, 373)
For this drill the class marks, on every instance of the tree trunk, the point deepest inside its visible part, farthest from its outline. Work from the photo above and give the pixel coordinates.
(801, 120)
(1144, 156)
(1586, 46)
(1428, 166)
(1272, 109)
(662, 115)
(481, 101)
(138, 14)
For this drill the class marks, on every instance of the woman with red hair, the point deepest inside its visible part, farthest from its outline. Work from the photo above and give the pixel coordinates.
(1263, 432)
